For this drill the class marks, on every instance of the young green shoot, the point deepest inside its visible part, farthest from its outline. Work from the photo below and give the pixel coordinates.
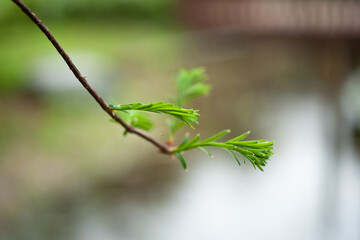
(190, 84)
(257, 151)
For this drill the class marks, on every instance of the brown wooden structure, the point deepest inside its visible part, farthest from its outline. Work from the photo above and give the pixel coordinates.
(276, 17)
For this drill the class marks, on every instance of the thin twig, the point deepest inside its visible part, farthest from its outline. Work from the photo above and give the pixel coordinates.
(162, 147)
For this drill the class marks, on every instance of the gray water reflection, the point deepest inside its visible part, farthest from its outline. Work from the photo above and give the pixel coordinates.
(217, 200)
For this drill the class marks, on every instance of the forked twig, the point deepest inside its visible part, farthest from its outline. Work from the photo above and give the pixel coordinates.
(162, 147)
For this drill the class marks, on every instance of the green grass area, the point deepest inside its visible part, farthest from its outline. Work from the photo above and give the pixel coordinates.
(139, 42)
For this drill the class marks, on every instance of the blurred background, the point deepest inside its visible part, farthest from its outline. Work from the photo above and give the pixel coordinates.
(286, 70)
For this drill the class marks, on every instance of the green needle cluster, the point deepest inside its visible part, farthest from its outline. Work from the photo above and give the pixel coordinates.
(188, 116)
(190, 84)
(257, 151)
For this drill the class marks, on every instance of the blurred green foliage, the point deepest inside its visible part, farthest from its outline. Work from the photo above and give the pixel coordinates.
(106, 27)
(190, 85)
(88, 9)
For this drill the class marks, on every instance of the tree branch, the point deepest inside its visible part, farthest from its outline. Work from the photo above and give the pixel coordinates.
(162, 147)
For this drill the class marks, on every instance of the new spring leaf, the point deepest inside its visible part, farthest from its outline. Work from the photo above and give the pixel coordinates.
(188, 116)
(256, 151)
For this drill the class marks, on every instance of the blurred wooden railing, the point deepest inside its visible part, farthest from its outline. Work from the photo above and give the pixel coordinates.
(266, 17)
